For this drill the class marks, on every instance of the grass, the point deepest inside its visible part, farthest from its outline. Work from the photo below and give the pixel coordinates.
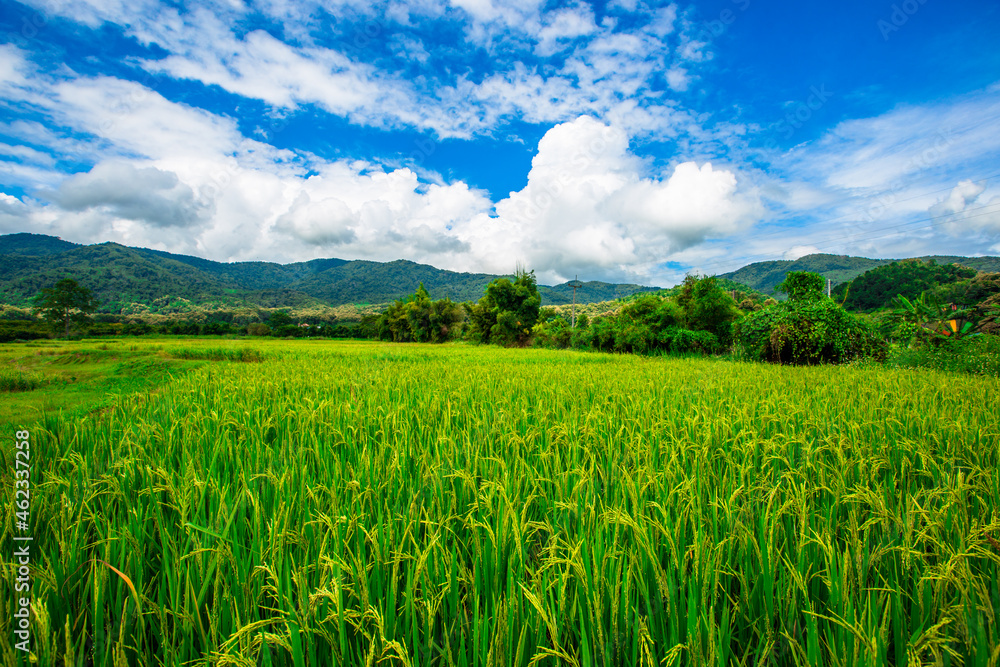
(975, 355)
(16, 378)
(363, 503)
(77, 378)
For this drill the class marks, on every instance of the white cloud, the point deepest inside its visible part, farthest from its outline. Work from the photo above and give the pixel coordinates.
(965, 210)
(678, 79)
(13, 66)
(563, 25)
(13, 214)
(588, 208)
(144, 194)
(964, 193)
(663, 21)
(904, 145)
(325, 222)
(182, 179)
(795, 252)
(604, 65)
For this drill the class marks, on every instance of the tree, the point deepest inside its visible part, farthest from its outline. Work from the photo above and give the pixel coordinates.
(710, 308)
(802, 286)
(67, 302)
(279, 318)
(281, 325)
(809, 330)
(419, 319)
(508, 310)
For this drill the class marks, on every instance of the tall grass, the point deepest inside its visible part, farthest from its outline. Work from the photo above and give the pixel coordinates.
(976, 355)
(15, 378)
(370, 504)
(245, 354)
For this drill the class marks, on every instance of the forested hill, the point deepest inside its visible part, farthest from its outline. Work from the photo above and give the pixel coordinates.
(120, 276)
(764, 276)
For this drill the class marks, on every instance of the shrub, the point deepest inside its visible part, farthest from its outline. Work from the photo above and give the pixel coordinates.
(258, 329)
(976, 355)
(553, 332)
(807, 332)
(677, 340)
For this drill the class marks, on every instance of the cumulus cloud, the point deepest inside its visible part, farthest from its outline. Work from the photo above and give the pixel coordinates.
(965, 210)
(588, 207)
(325, 222)
(964, 194)
(145, 194)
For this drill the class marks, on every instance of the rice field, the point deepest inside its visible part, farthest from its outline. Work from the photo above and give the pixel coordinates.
(353, 503)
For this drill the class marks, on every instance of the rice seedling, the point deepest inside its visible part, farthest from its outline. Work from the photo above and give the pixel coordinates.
(360, 503)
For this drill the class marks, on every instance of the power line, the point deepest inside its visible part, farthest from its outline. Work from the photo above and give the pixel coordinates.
(875, 196)
(852, 237)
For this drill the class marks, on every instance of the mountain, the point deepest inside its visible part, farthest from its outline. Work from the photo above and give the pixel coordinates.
(878, 288)
(764, 276)
(35, 245)
(120, 276)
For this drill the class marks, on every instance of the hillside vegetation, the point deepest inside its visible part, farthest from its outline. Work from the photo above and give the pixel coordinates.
(878, 287)
(122, 277)
(765, 276)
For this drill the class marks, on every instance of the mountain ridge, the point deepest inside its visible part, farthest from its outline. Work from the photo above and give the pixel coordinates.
(765, 276)
(122, 275)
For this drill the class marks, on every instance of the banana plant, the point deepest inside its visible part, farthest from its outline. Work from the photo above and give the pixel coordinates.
(941, 320)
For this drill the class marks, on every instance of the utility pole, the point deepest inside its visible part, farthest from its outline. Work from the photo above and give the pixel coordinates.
(829, 286)
(575, 283)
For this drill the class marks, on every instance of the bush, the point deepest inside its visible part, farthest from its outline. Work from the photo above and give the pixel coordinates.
(552, 333)
(976, 355)
(183, 328)
(258, 329)
(137, 328)
(215, 328)
(807, 332)
(677, 340)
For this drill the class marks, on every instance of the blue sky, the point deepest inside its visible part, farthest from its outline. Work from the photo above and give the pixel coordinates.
(622, 140)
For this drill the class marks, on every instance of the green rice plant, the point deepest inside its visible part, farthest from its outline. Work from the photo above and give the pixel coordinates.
(15, 378)
(239, 354)
(363, 503)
